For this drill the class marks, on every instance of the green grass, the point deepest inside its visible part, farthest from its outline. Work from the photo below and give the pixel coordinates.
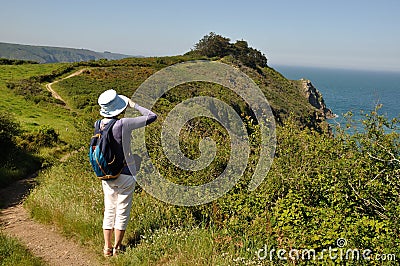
(174, 247)
(30, 115)
(67, 184)
(26, 165)
(13, 253)
(16, 72)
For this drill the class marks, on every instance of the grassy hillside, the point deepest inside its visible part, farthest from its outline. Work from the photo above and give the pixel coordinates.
(35, 114)
(320, 188)
(47, 54)
(126, 75)
(28, 113)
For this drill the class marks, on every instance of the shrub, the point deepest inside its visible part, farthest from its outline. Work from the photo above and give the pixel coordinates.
(31, 90)
(9, 129)
(15, 163)
(45, 136)
(214, 45)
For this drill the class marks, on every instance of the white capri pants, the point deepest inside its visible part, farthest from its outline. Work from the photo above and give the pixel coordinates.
(118, 194)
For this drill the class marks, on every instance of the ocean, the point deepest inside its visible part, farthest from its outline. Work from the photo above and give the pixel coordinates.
(351, 90)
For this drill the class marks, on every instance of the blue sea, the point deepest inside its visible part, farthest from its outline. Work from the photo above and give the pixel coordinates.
(351, 90)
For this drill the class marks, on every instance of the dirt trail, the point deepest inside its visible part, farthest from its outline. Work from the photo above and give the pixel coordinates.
(42, 240)
(54, 93)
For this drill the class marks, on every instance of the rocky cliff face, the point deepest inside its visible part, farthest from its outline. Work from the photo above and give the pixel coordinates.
(315, 98)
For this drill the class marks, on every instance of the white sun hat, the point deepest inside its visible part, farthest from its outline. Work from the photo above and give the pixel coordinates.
(111, 103)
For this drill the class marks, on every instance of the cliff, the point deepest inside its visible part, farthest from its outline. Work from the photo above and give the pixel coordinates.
(315, 98)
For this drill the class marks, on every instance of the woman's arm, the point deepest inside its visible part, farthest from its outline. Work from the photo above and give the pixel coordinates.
(146, 118)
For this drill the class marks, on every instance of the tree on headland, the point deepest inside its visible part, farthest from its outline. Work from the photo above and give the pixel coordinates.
(247, 55)
(215, 45)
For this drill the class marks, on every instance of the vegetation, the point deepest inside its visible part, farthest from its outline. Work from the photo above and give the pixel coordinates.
(16, 163)
(214, 45)
(39, 129)
(13, 253)
(24, 150)
(5, 61)
(321, 187)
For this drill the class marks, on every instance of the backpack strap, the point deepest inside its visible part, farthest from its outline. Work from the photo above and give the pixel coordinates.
(97, 125)
(98, 132)
(108, 125)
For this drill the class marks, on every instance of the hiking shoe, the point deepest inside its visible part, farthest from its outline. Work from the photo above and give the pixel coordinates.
(107, 252)
(118, 250)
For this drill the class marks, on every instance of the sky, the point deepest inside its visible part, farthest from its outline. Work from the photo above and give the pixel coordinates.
(341, 34)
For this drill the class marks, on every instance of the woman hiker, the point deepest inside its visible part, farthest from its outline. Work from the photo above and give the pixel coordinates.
(118, 193)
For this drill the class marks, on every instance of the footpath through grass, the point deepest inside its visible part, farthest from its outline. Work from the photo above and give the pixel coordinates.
(32, 115)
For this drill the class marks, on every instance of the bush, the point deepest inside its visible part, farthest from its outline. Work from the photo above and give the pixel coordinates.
(9, 129)
(31, 90)
(322, 188)
(214, 45)
(45, 136)
(16, 161)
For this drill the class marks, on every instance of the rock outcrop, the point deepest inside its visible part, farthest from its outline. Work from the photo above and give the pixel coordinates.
(315, 98)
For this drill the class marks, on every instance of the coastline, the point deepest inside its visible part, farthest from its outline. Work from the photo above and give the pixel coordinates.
(316, 99)
(355, 91)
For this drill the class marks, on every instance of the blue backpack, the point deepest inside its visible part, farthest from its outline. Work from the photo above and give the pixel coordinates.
(105, 154)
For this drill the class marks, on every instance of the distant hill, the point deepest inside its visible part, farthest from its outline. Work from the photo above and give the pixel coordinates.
(47, 54)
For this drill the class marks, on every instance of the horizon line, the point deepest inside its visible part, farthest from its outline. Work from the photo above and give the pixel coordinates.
(334, 67)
